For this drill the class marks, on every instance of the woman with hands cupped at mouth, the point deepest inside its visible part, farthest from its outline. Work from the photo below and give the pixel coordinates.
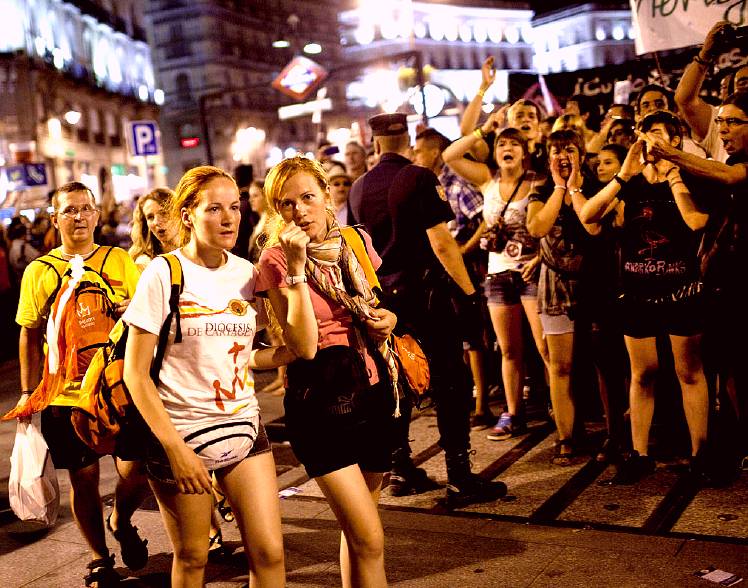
(203, 412)
(339, 402)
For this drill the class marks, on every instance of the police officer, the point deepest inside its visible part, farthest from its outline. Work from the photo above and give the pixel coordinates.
(424, 280)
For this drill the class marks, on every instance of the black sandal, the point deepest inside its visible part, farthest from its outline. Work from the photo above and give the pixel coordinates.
(101, 573)
(133, 549)
(564, 453)
(216, 548)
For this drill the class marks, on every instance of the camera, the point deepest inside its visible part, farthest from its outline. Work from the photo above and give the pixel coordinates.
(729, 37)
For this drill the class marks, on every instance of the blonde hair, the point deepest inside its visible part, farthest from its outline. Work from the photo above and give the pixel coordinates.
(187, 194)
(572, 122)
(276, 180)
(144, 242)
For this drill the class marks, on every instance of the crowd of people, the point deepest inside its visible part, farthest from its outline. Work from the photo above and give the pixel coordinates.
(613, 250)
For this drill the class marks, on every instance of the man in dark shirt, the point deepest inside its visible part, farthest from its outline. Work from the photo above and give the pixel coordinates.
(243, 174)
(424, 279)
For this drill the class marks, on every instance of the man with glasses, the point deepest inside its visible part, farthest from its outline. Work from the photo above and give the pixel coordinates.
(75, 217)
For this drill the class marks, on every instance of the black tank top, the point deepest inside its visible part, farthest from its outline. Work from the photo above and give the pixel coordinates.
(658, 249)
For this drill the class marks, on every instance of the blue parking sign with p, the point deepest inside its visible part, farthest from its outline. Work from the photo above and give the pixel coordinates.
(144, 137)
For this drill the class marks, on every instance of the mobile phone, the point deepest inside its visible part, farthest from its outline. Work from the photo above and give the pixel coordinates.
(331, 150)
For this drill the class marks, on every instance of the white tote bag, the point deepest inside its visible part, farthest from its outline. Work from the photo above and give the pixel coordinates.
(33, 491)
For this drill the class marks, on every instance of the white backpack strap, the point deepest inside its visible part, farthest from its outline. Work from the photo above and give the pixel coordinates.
(55, 318)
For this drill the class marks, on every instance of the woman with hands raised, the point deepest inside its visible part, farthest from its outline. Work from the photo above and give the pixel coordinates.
(511, 284)
(552, 217)
(662, 292)
(203, 412)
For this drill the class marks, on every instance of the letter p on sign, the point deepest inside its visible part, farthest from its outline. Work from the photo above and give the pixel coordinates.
(143, 137)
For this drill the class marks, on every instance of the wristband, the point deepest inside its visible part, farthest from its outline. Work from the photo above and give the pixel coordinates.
(27, 392)
(672, 169)
(703, 62)
(620, 180)
(291, 280)
(478, 133)
(559, 187)
(481, 92)
(673, 184)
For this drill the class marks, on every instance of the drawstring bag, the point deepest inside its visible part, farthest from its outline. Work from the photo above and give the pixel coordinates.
(33, 492)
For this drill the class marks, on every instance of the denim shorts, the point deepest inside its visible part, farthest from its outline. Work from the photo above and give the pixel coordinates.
(508, 288)
(157, 463)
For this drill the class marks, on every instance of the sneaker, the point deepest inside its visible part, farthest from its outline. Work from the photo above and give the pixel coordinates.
(482, 421)
(409, 482)
(133, 549)
(508, 426)
(473, 490)
(633, 469)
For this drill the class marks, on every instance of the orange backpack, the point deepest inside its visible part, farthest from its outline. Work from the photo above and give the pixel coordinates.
(105, 405)
(80, 318)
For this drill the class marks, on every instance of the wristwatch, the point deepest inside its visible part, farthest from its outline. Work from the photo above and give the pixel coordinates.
(291, 280)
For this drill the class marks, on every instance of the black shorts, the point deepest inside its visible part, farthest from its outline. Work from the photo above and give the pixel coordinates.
(157, 464)
(324, 443)
(66, 448)
(683, 318)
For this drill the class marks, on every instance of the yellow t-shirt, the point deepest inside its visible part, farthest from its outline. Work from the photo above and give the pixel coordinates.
(44, 274)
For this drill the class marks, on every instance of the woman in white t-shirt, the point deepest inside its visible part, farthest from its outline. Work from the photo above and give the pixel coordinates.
(511, 285)
(204, 413)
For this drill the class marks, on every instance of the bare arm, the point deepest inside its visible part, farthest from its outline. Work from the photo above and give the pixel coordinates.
(474, 241)
(542, 216)
(698, 166)
(697, 112)
(271, 357)
(578, 198)
(292, 306)
(601, 203)
(472, 113)
(473, 171)
(189, 472)
(598, 140)
(448, 253)
(30, 355)
(693, 217)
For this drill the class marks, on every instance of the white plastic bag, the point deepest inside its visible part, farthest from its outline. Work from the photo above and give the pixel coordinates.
(33, 491)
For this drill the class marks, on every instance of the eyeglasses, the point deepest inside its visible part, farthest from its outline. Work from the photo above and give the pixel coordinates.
(343, 183)
(85, 211)
(731, 122)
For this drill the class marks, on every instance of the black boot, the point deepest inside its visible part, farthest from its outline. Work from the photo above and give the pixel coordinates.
(465, 487)
(406, 479)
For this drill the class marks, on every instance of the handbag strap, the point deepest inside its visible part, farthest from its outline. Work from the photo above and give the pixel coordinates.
(514, 193)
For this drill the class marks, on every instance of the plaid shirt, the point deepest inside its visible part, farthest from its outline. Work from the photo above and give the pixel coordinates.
(466, 201)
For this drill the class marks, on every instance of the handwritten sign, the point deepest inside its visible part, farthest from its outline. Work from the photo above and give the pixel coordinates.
(598, 83)
(671, 24)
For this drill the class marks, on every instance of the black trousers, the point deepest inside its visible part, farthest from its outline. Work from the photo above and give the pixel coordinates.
(429, 314)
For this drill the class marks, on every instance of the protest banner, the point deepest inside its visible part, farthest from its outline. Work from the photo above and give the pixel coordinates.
(671, 24)
(598, 83)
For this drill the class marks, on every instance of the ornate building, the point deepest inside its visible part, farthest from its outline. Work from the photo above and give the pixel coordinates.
(221, 57)
(72, 76)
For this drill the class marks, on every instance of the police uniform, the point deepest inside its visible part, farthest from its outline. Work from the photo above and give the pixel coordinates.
(368, 199)
(398, 202)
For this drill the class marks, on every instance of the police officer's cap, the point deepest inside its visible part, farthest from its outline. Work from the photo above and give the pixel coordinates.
(388, 124)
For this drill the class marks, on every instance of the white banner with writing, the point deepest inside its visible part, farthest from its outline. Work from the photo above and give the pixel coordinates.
(670, 24)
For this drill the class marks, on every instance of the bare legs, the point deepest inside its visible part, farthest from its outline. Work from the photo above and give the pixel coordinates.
(688, 368)
(560, 353)
(507, 324)
(352, 496)
(252, 490)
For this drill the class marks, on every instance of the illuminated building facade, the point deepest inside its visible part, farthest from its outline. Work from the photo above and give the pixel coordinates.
(232, 51)
(72, 75)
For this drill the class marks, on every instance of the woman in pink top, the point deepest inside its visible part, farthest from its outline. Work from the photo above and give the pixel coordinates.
(339, 406)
